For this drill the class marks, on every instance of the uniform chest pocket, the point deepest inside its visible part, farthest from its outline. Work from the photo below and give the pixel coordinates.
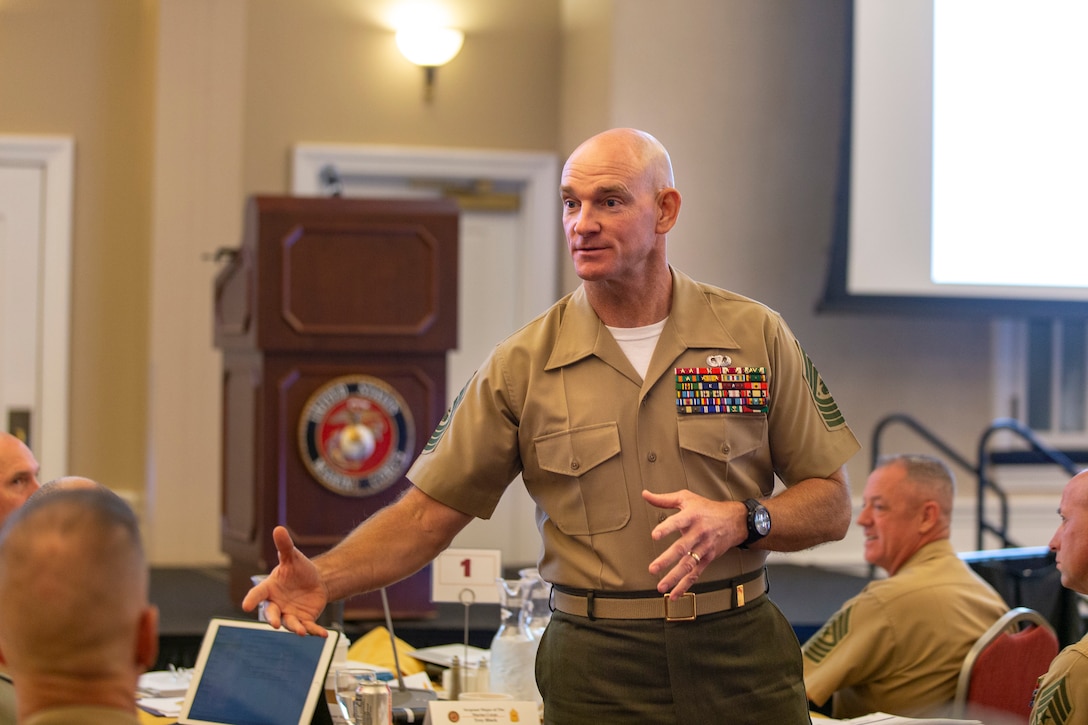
(582, 487)
(722, 437)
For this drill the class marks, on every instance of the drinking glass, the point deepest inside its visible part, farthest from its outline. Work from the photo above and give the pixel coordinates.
(347, 681)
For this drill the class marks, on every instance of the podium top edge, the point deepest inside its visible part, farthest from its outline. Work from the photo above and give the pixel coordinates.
(288, 203)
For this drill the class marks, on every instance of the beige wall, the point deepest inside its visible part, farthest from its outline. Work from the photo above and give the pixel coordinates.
(85, 69)
(329, 71)
(198, 111)
(744, 92)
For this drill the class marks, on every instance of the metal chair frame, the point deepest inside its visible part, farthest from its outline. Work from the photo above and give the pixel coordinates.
(1009, 623)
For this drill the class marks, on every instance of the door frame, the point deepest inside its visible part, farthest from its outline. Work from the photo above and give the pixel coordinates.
(536, 173)
(55, 157)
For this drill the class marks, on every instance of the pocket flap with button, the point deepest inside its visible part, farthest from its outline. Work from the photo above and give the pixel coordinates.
(722, 438)
(582, 487)
(575, 452)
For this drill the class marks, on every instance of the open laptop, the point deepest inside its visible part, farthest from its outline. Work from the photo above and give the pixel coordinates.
(248, 673)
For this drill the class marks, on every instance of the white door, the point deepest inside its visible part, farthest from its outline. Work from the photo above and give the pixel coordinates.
(20, 210)
(35, 251)
(507, 267)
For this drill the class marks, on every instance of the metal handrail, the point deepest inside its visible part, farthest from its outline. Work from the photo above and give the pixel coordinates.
(924, 433)
(984, 483)
(979, 470)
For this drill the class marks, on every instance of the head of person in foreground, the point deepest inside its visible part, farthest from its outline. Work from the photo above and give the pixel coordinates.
(76, 624)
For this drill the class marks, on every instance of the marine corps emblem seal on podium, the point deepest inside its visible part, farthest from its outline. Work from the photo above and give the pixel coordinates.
(355, 435)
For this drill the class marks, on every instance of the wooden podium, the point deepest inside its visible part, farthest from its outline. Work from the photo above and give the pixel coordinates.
(334, 318)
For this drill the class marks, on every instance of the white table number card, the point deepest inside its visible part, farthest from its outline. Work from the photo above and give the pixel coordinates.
(467, 576)
(482, 712)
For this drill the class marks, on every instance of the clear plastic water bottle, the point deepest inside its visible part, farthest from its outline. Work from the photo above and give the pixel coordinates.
(513, 648)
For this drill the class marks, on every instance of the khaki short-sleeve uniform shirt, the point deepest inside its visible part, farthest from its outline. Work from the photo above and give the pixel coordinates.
(897, 647)
(1061, 697)
(560, 403)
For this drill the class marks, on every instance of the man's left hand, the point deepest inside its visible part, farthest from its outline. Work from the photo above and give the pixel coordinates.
(706, 530)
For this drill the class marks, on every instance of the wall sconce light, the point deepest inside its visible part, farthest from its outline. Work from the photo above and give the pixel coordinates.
(429, 48)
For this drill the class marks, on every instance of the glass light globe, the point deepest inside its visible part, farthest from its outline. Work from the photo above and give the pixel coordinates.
(430, 47)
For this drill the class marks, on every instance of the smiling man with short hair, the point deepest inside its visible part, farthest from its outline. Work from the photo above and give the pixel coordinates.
(897, 647)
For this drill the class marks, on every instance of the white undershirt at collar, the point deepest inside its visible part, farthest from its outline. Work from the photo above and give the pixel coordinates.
(638, 343)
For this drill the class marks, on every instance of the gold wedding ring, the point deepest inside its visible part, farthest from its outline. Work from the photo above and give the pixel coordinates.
(695, 556)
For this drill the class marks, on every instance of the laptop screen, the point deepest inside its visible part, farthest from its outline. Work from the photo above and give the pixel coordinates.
(248, 673)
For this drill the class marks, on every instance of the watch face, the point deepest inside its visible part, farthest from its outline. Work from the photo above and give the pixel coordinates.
(761, 519)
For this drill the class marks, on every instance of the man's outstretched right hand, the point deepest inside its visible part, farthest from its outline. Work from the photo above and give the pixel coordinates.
(294, 590)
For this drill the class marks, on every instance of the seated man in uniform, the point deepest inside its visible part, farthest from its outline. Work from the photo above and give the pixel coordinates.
(897, 647)
(1061, 697)
(18, 480)
(76, 626)
(18, 474)
(22, 460)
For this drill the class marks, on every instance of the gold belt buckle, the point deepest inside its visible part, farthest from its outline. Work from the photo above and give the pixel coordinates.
(684, 596)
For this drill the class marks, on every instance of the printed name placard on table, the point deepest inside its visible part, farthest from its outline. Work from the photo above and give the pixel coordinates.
(467, 576)
(482, 712)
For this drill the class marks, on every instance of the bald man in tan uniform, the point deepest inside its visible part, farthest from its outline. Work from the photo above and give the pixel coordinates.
(648, 415)
(1061, 697)
(76, 626)
(19, 471)
(18, 474)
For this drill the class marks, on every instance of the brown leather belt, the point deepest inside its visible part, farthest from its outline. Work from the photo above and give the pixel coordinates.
(596, 605)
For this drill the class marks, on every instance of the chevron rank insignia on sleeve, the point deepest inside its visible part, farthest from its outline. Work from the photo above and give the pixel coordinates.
(821, 644)
(821, 396)
(1052, 705)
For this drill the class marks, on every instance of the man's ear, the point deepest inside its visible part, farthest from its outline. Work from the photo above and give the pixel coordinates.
(668, 209)
(931, 516)
(147, 638)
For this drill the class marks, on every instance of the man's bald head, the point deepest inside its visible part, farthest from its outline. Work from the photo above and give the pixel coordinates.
(73, 586)
(631, 146)
(65, 483)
